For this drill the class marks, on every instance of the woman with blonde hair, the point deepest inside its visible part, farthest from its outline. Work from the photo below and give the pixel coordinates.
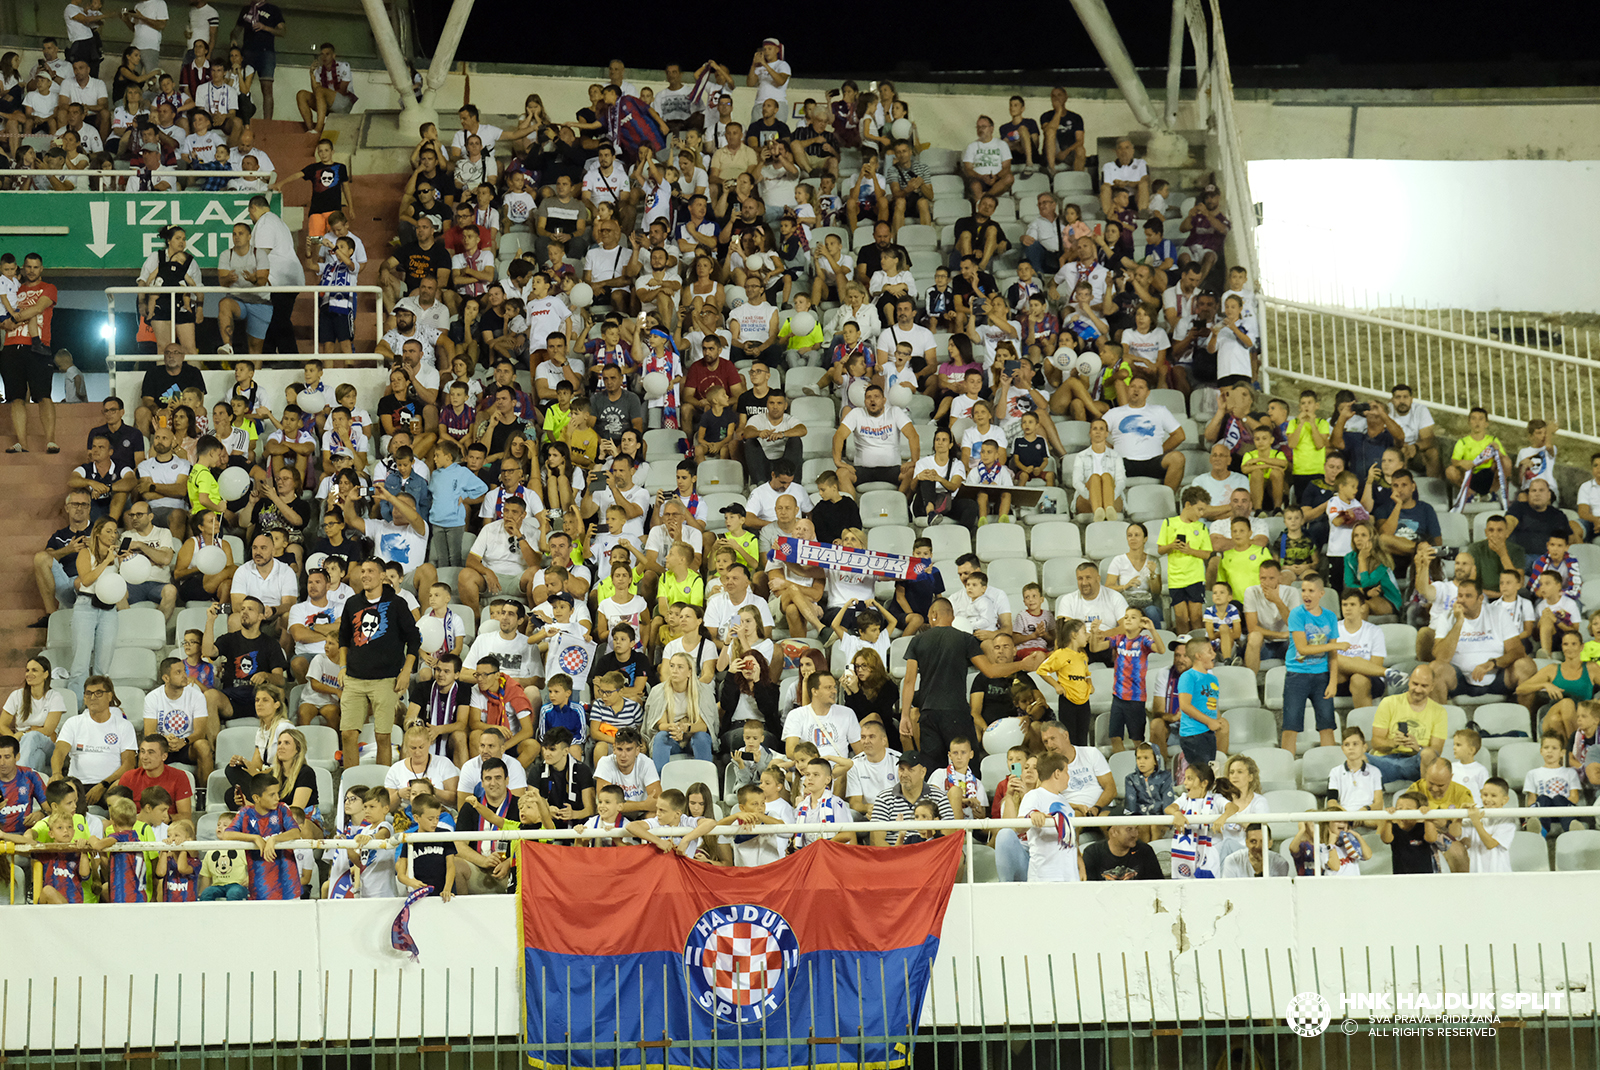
(1245, 776)
(1369, 569)
(680, 714)
(297, 781)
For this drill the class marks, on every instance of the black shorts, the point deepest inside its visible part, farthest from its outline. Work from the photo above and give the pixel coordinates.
(27, 373)
(877, 474)
(192, 589)
(1380, 686)
(1492, 685)
(1482, 480)
(242, 699)
(1150, 469)
(1194, 592)
(163, 313)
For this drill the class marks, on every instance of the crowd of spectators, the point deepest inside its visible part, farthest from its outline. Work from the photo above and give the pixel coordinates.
(549, 555)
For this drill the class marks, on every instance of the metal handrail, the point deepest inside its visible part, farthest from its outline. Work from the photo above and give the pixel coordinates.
(316, 321)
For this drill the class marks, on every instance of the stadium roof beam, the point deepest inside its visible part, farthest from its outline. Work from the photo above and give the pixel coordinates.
(1108, 42)
(412, 111)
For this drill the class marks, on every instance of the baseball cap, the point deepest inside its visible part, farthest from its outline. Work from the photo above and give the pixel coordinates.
(1211, 188)
(736, 509)
(912, 757)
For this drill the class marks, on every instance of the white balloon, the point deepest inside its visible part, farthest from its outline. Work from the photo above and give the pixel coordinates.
(858, 394)
(210, 560)
(655, 385)
(802, 323)
(431, 629)
(1063, 358)
(756, 262)
(900, 396)
(234, 483)
(1086, 365)
(110, 588)
(582, 296)
(900, 128)
(135, 569)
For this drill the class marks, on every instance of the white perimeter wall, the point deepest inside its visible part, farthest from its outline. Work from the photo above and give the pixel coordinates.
(1012, 943)
(1477, 234)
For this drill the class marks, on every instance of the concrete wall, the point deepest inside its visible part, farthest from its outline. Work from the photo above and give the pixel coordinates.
(1018, 953)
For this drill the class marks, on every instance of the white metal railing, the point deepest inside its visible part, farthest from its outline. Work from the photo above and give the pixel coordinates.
(114, 357)
(1359, 817)
(67, 172)
(1449, 370)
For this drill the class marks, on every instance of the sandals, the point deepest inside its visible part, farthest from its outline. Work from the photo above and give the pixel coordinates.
(51, 447)
(17, 448)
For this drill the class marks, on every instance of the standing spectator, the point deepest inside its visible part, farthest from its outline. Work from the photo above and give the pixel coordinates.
(94, 622)
(378, 645)
(1313, 635)
(25, 360)
(147, 19)
(769, 76)
(263, 25)
(272, 237)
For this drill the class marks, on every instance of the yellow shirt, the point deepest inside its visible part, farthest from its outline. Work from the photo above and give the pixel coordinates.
(1182, 569)
(1072, 668)
(201, 481)
(747, 542)
(1254, 455)
(1467, 448)
(692, 590)
(1307, 457)
(1241, 569)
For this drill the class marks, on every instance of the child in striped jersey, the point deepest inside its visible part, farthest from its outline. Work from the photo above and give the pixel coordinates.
(178, 872)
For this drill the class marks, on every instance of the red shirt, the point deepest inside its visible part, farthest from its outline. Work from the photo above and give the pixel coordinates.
(177, 785)
(456, 244)
(27, 297)
(701, 376)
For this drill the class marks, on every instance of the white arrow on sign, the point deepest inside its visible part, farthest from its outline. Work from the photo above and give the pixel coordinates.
(100, 221)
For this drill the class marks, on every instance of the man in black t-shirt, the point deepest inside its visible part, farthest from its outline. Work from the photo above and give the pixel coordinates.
(979, 235)
(630, 661)
(262, 24)
(1121, 856)
(164, 385)
(1069, 150)
(564, 783)
(249, 657)
(403, 272)
(991, 695)
(870, 259)
(753, 402)
(767, 128)
(55, 567)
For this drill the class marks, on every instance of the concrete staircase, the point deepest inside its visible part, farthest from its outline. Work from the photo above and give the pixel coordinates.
(32, 486)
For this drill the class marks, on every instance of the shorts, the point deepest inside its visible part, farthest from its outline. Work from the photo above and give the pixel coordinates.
(338, 326)
(343, 103)
(164, 313)
(150, 591)
(1275, 649)
(192, 589)
(28, 374)
(265, 61)
(1200, 748)
(1379, 687)
(354, 703)
(1193, 252)
(1493, 685)
(1105, 658)
(913, 198)
(1193, 592)
(1150, 469)
(317, 225)
(1482, 480)
(242, 699)
(257, 317)
(1127, 719)
(1300, 688)
(877, 474)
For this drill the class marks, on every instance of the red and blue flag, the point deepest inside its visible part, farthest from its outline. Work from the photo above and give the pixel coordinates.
(819, 959)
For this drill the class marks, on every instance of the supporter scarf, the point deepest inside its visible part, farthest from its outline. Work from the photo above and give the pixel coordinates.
(441, 706)
(400, 932)
(344, 887)
(1491, 452)
(488, 847)
(500, 503)
(804, 811)
(969, 787)
(1581, 745)
(705, 88)
(847, 559)
(663, 362)
(1189, 846)
(328, 75)
(1062, 813)
(988, 473)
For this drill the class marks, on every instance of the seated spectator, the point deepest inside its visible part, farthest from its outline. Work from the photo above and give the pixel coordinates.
(986, 163)
(1531, 523)
(1480, 654)
(1257, 859)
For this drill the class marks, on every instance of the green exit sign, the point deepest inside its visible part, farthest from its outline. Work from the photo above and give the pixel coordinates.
(119, 230)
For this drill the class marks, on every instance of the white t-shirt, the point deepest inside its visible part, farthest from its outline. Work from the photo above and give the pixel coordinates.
(1107, 608)
(489, 135)
(39, 710)
(1339, 537)
(1366, 642)
(1267, 614)
(1413, 422)
(1481, 640)
(766, 90)
(158, 538)
(1112, 171)
(1083, 783)
(987, 157)
(272, 236)
(310, 614)
(1051, 856)
(1481, 859)
(471, 775)
(517, 658)
(440, 769)
(759, 850)
(1145, 346)
(755, 321)
(97, 747)
(634, 782)
(402, 545)
(876, 439)
(921, 339)
(1137, 434)
(1354, 789)
(148, 38)
(175, 716)
(326, 673)
(202, 21)
(272, 589)
(832, 733)
(870, 779)
(1220, 489)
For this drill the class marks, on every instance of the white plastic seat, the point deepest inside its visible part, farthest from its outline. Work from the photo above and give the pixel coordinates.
(236, 741)
(818, 440)
(1236, 686)
(1250, 726)
(891, 538)
(880, 507)
(687, 771)
(58, 632)
(1501, 717)
(322, 742)
(816, 412)
(1152, 502)
(1401, 640)
(1012, 573)
(1105, 538)
(1530, 852)
(662, 447)
(1056, 538)
(1578, 849)
(1316, 767)
(919, 236)
(1276, 766)
(1454, 529)
(1001, 540)
(1513, 761)
(1287, 801)
(1272, 688)
(1078, 185)
(1039, 514)
(799, 379)
(1060, 576)
(949, 540)
(142, 627)
(720, 475)
(993, 769)
(134, 664)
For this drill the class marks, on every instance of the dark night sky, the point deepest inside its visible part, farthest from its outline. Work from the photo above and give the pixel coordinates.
(1392, 43)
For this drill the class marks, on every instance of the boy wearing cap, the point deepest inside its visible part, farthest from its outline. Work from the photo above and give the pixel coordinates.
(746, 545)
